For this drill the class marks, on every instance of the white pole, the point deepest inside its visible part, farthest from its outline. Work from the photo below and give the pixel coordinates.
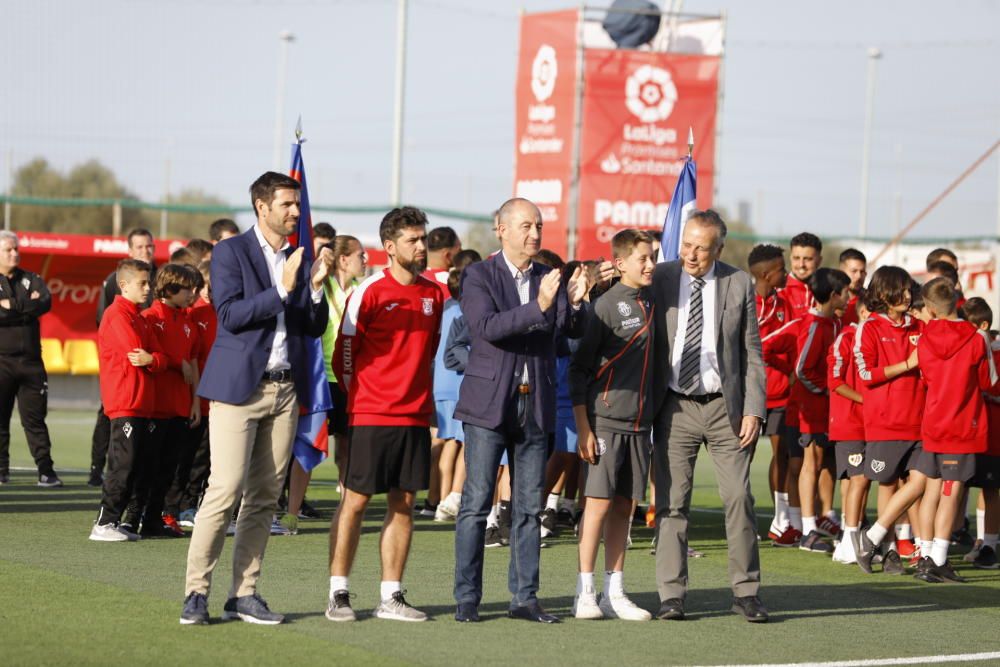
(873, 55)
(284, 37)
(10, 186)
(397, 129)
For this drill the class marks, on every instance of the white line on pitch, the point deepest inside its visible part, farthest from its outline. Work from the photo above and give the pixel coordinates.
(878, 662)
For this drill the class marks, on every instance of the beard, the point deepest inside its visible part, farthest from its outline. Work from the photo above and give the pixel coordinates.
(413, 265)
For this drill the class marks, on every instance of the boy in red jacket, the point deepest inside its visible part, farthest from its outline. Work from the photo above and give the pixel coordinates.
(774, 319)
(129, 355)
(177, 409)
(957, 364)
(885, 351)
(810, 401)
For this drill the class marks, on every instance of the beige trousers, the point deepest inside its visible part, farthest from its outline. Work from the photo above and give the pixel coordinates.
(250, 447)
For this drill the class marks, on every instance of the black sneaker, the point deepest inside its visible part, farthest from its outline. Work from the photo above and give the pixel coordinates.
(307, 511)
(813, 542)
(986, 560)
(195, 610)
(4, 478)
(962, 536)
(96, 478)
(923, 572)
(946, 573)
(864, 549)
(892, 563)
(252, 609)
(549, 527)
(493, 538)
(50, 481)
(564, 518)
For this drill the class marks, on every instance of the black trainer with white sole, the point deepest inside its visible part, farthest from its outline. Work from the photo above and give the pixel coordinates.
(251, 609)
(195, 610)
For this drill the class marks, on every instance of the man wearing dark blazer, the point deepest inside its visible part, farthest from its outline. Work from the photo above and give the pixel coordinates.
(267, 303)
(514, 307)
(710, 376)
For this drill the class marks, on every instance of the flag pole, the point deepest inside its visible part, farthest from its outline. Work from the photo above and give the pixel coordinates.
(298, 131)
(690, 143)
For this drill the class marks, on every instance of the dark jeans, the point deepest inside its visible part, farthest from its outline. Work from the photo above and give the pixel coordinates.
(128, 437)
(100, 441)
(526, 445)
(24, 379)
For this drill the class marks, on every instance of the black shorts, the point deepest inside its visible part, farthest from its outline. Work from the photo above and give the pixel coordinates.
(947, 467)
(806, 438)
(792, 446)
(337, 417)
(850, 458)
(774, 422)
(987, 472)
(388, 457)
(888, 460)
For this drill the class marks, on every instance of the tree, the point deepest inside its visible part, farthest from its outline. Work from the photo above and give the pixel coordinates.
(191, 224)
(480, 236)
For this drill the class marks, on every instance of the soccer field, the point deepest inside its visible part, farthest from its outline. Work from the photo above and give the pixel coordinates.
(69, 601)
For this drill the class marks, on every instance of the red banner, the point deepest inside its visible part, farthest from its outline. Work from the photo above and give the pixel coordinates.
(546, 83)
(637, 108)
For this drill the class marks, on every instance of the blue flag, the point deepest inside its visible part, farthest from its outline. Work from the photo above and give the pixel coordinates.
(311, 436)
(681, 204)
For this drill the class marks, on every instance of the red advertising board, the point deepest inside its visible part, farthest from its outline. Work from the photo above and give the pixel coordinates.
(546, 86)
(638, 106)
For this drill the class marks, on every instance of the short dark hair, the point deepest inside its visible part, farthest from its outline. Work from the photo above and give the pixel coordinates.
(267, 184)
(172, 278)
(138, 231)
(549, 258)
(222, 226)
(853, 253)
(454, 283)
(128, 267)
(465, 257)
(976, 311)
(324, 230)
(916, 296)
(200, 247)
(824, 283)
(709, 218)
(398, 219)
(945, 270)
(183, 256)
(886, 288)
(441, 238)
(765, 252)
(937, 254)
(626, 240)
(940, 293)
(807, 240)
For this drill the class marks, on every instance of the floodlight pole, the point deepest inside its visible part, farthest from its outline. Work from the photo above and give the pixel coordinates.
(10, 185)
(397, 129)
(285, 37)
(873, 56)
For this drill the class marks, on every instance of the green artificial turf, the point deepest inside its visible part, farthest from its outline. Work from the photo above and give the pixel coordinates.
(65, 600)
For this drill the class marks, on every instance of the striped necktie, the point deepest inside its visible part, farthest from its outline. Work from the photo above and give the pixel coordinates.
(689, 378)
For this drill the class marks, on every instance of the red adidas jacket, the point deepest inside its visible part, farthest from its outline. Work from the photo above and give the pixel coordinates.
(777, 339)
(846, 419)
(203, 315)
(385, 351)
(957, 365)
(809, 399)
(127, 390)
(798, 296)
(178, 339)
(893, 409)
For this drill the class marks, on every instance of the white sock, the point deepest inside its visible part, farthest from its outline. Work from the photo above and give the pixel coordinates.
(981, 524)
(892, 547)
(850, 529)
(390, 587)
(795, 518)
(808, 524)
(552, 502)
(493, 521)
(585, 582)
(925, 548)
(939, 551)
(904, 531)
(337, 584)
(614, 586)
(568, 504)
(877, 533)
(990, 540)
(454, 499)
(781, 508)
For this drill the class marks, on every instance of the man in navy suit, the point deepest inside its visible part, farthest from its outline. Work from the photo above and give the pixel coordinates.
(267, 303)
(514, 308)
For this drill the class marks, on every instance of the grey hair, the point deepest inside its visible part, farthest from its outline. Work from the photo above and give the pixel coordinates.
(709, 218)
(9, 235)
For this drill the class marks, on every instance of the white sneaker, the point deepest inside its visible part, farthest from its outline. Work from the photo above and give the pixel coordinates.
(108, 532)
(619, 606)
(445, 512)
(844, 552)
(277, 528)
(585, 605)
(397, 608)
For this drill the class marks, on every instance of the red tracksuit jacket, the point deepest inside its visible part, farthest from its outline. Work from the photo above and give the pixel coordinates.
(203, 315)
(777, 339)
(850, 312)
(809, 398)
(178, 339)
(127, 390)
(957, 365)
(798, 296)
(385, 351)
(893, 409)
(846, 419)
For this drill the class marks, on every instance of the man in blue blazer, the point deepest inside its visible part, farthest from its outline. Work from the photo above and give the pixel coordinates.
(267, 303)
(514, 308)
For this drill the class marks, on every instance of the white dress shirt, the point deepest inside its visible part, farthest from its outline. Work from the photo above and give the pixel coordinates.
(278, 360)
(710, 380)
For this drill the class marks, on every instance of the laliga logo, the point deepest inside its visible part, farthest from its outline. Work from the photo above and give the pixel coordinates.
(543, 73)
(650, 94)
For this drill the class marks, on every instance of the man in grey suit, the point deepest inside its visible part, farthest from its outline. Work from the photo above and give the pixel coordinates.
(710, 376)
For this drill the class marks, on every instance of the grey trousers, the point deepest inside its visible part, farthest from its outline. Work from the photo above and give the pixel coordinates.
(680, 430)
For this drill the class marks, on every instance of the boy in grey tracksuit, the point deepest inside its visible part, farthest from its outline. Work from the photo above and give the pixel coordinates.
(610, 381)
